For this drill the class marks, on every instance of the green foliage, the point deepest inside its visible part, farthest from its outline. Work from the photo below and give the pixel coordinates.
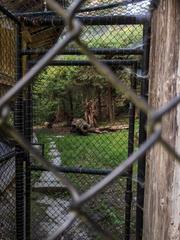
(51, 85)
(58, 88)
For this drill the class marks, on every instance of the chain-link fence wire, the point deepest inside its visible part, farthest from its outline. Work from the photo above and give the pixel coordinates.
(51, 202)
(79, 89)
(94, 154)
(36, 16)
(95, 7)
(8, 52)
(115, 8)
(82, 199)
(122, 36)
(7, 187)
(8, 33)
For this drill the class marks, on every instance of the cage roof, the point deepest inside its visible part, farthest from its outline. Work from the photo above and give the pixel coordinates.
(45, 36)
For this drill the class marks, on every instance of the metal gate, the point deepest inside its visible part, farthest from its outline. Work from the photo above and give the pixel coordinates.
(83, 159)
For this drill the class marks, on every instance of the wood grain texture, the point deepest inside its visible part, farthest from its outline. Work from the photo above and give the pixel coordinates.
(162, 187)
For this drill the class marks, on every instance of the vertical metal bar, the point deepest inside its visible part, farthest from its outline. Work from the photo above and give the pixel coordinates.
(28, 136)
(128, 193)
(19, 125)
(142, 132)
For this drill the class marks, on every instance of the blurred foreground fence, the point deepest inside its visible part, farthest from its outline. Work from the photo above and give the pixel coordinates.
(97, 196)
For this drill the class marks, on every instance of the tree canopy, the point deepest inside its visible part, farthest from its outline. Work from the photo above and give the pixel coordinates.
(60, 92)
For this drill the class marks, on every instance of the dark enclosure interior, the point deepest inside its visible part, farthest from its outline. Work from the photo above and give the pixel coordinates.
(75, 117)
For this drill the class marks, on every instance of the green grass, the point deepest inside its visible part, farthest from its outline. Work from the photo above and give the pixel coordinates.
(93, 151)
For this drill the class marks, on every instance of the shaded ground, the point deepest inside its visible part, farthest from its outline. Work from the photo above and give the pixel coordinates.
(49, 210)
(8, 214)
(7, 192)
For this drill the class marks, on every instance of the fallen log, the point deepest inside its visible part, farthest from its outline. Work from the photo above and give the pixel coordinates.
(107, 129)
(80, 126)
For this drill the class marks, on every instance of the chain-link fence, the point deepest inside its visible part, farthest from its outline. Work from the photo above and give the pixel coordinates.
(8, 36)
(79, 114)
(85, 155)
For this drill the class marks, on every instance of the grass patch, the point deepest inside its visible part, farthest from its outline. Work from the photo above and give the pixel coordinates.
(92, 151)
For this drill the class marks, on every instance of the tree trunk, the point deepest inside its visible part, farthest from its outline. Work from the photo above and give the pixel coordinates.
(90, 113)
(63, 110)
(99, 104)
(162, 187)
(71, 112)
(110, 104)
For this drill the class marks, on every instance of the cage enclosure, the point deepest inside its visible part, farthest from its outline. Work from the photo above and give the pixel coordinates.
(77, 120)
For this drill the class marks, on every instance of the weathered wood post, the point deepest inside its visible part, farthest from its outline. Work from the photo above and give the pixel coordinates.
(162, 187)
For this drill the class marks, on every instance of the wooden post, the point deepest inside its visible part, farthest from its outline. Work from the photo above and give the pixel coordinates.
(162, 186)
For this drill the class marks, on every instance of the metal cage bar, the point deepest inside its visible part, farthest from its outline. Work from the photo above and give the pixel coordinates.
(28, 134)
(98, 51)
(89, 171)
(90, 20)
(128, 192)
(20, 155)
(142, 132)
(88, 63)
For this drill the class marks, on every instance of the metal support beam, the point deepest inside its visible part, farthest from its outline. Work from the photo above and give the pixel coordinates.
(88, 63)
(98, 51)
(28, 132)
(87, 20)
(20, 155)
(142, 133)
(128, 193)
(90, 171)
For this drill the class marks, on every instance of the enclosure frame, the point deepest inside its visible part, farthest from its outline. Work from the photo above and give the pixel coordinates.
(23, 121)
(90, 171)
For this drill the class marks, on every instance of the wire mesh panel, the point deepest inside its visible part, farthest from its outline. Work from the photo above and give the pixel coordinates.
(111, 41)
(8, 52)
(95, 7)
(76, 99)
(8, 70)
(81, 125)
(7, 188)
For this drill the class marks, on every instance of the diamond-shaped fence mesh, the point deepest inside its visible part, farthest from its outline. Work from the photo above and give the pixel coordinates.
(8, 52)
(113, 36)
(8, 33)
(106, 7)
(68, 170)
(7, 199)
(80, 94)
(93, 7)
(64, 142)
(89, 7)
